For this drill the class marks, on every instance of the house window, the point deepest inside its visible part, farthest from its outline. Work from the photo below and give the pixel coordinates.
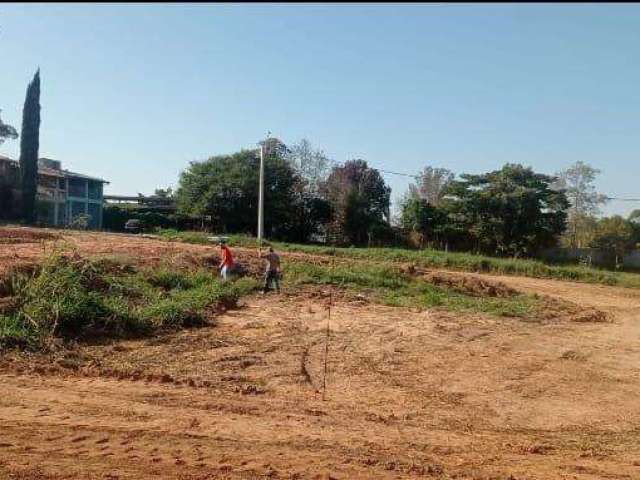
(62, 184)
(77, 187)
(95, 190)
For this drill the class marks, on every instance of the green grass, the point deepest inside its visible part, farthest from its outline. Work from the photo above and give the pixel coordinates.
(201, 238)
(436, 259)
(475, 263)
(388, 285)
(16, 334)
(78, 299)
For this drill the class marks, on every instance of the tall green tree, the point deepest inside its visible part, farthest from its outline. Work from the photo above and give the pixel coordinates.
(512, 211)
(311, 212)
(225, 187)
(6, 131)
(431, 223)
(29, 145)
(634, 221)
(360, 201)
(308, 218)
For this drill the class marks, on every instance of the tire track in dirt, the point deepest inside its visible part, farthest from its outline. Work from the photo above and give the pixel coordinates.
(411, 393)
(406, 400)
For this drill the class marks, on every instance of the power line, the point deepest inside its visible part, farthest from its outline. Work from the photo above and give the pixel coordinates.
(619, 199)
(398, 173)
(624, 199)
(409, 175)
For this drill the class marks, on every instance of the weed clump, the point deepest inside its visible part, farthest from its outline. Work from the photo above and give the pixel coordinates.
(168, 279)
(64, 297)
(75, 298)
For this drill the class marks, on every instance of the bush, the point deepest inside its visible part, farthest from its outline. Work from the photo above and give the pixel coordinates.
(16, 334)
(77, 298)
(168, 279)
(61, 298)
(171, 314)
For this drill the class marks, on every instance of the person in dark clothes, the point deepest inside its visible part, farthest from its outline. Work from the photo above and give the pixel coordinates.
(272, 272)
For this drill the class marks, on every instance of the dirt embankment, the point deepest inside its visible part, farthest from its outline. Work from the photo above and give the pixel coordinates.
(22, 247)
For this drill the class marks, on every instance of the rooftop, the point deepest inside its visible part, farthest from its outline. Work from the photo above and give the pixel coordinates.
(55, 172)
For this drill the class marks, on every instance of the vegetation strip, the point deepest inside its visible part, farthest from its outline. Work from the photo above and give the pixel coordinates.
(75, 298)
(430, 258)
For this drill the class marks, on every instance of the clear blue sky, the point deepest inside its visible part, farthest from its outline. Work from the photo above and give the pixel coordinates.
(132, 93)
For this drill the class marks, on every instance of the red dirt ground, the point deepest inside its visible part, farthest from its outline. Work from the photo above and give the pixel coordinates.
(410, 393)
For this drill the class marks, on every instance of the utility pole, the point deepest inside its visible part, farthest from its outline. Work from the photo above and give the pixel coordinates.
(261, 193)
(261, 197)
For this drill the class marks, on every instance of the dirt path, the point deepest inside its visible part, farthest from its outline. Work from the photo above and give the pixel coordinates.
(410, 395)
(615, 346)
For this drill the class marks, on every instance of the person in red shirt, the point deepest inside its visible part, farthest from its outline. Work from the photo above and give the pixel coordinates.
(226, 265)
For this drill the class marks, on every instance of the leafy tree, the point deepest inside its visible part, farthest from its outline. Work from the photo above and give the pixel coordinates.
(577, 181)
(225, 187)
(634, 222)
(6, 131)
(309, 217)
(312, 211)
(359, 199)
(512, 211)
(29, 145)
(581, 231)
(615, 235)
(163, 193)
(430, 222)
(312, 165)
(274, 147)
(431, 184)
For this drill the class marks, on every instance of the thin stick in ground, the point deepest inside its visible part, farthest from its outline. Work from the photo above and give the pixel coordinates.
(303, 366)
(326, 348)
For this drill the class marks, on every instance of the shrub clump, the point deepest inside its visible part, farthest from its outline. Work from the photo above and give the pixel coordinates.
(62, 298)
(74, 298)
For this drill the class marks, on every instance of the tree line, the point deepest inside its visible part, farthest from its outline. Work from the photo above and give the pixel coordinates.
(513, 211)
(306, 195)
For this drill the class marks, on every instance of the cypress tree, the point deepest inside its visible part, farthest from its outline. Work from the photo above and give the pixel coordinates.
(29, 145)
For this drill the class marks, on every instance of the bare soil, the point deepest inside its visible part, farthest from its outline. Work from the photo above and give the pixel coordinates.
(409, 393)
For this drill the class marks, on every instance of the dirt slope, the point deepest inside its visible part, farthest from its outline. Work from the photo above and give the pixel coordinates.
(410, 394)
